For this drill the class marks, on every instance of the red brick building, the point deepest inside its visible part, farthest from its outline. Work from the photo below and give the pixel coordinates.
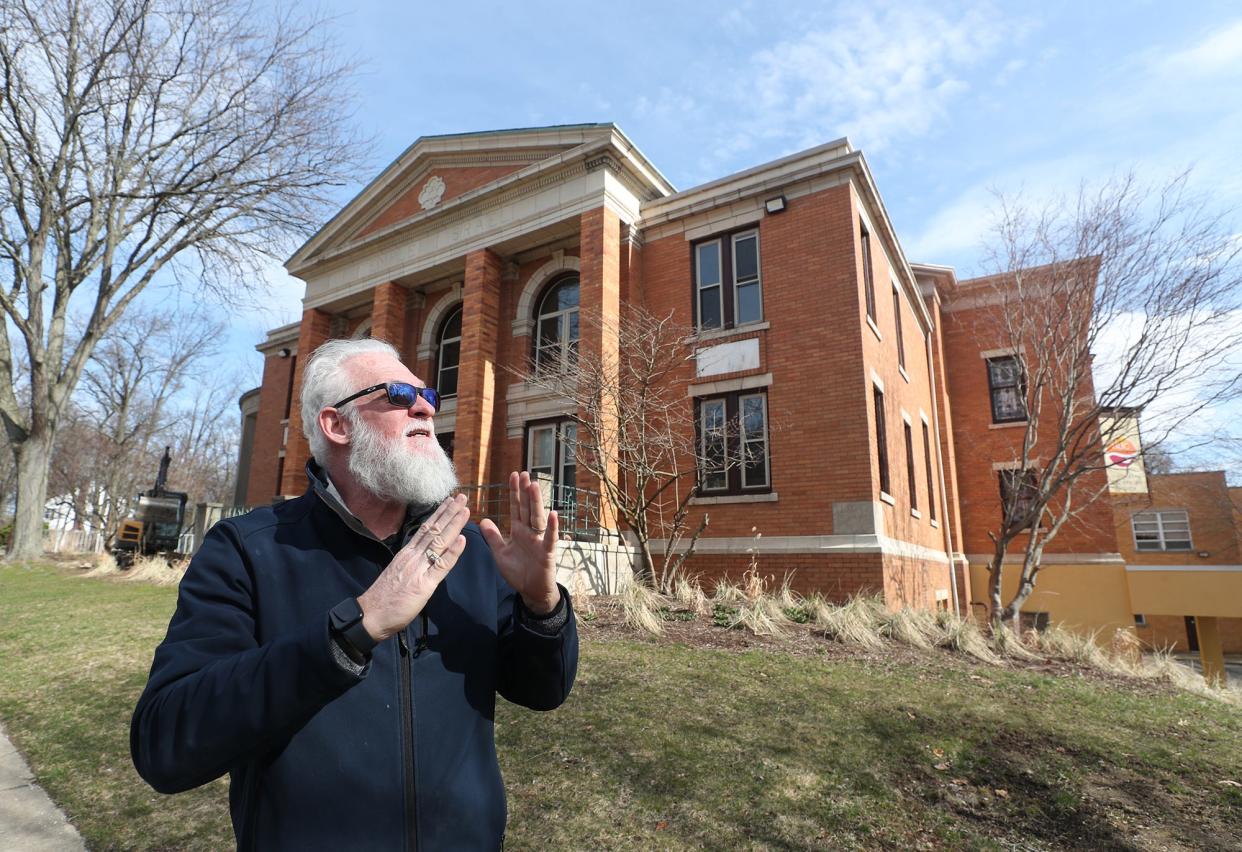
(476, 252)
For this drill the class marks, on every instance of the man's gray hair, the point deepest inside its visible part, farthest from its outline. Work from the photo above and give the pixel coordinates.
(324, 381)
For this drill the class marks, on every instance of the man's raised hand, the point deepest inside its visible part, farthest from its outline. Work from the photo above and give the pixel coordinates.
(527, 560)
(402, 589)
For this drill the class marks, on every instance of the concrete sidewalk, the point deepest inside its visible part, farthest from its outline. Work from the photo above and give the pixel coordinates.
(28, 819)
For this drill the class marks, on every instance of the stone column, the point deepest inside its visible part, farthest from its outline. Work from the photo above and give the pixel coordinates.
(388, 314)
(600, 311)
(476, 372)
(316, 325)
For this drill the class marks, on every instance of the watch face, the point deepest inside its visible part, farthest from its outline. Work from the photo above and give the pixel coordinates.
(346, 614)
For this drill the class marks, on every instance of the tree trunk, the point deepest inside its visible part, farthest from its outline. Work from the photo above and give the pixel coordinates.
(34, 457)
(645, 573)
(994, 586)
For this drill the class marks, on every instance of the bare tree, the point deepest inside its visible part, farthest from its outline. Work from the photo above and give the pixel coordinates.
(1147, 279)
(637, 433)
(128, 409)
(186, 139)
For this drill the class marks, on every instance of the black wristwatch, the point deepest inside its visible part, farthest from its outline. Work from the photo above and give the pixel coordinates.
(345, 619)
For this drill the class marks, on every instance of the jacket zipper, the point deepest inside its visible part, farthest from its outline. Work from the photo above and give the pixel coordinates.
(407, 728)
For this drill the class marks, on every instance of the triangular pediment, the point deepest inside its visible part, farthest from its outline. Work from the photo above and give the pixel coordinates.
(437, 171)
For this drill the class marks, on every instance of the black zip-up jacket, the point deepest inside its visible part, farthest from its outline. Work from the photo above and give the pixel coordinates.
(396, 754)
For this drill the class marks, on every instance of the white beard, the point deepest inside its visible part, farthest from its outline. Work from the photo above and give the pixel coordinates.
(394, 472)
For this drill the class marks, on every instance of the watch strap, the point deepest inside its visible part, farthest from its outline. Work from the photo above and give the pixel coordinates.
(345, 620)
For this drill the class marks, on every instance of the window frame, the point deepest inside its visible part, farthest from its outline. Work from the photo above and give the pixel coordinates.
(881, 438)
(901, 343)
(1161, 538)
(440, 343)
(558, 425)
(734, 440)
(1030, 479)
(728, 283)
(1019, 385)
(566, 347)
(864, 236)
(931, 481)
(911, 477)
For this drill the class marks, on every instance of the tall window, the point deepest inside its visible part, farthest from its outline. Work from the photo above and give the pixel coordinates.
(1163, 530)
(733, 443)
(910, 480)
(1007, 386)
(868, 284)
(551, 458)
(448, 353)
(901, 343)
(556, 327)
(881, 438)
(931, 481)
(727, 288)
(1018, 492)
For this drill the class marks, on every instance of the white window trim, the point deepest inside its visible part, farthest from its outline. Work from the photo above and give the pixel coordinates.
(742, 440)
(733, 241)
(1159, 518)
(522, 323)
(698, 282)
(562, 344)
(440, 352)
(703, 442)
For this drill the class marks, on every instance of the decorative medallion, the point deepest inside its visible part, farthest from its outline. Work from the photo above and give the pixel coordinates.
(432, 192)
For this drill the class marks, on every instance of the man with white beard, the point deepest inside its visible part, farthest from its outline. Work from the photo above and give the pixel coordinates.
(339, 654)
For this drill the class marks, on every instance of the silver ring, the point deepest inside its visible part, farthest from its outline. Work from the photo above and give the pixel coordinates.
(539, 532)
(432, 556)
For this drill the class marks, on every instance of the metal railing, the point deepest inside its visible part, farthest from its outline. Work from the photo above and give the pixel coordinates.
(577, 508)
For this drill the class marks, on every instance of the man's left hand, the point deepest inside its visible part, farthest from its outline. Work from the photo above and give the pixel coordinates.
(527, 560)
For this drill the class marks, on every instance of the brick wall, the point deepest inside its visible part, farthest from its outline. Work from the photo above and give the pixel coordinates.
(967, 333)
(1205, 497)
(274, 397)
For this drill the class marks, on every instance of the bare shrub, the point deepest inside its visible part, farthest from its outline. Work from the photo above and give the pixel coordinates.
(911, 627)
(641, 607)
(962, 635)
(857, 622)
(155, 570)
(690, 595)
(105, 565)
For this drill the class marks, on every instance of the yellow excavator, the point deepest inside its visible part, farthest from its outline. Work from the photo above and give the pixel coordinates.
(154, 525)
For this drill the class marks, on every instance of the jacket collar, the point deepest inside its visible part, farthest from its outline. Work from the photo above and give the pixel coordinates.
(327, 492)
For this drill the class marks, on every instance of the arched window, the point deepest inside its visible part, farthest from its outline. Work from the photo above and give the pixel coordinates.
(448, 353)
(556, 326)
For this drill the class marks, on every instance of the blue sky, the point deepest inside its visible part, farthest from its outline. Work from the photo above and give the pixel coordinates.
(947, 100)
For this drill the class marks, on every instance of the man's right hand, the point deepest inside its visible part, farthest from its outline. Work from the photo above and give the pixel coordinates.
(401, 591)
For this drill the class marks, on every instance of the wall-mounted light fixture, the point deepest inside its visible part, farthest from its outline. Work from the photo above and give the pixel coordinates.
(775, 205)
(285, 353)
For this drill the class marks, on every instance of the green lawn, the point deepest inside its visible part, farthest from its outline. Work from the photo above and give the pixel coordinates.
(673, 746)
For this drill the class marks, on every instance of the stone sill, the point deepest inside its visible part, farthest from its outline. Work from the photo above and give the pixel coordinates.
(770, 497)
(888, 498)
(1012, 425)
(736, 331)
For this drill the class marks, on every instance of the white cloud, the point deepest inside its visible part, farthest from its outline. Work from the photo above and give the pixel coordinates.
(1219, 52)
(878, 75)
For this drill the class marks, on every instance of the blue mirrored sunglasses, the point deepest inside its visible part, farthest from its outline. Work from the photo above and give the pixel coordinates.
(400, 394)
